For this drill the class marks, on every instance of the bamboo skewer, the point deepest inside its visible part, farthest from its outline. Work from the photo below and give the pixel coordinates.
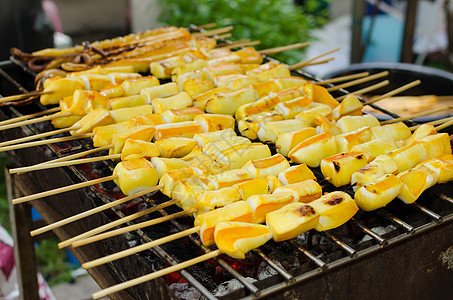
(23, 96)
(130, 228)
(62, 189)
(64, 163)
(320, 62)
(357, 81)
(137, 249)
(445, 125)
(304, 63)
(223, 36)
(213, 32)
(283, 48)
(26, 117)
(93, 211)
(77, 155)
(343, 78)
(239, 44)
(421, 114)
(436, 122)
(394, 92)
(45, 142)
(154, 275)
(37, 120)
(38, 136)
(113, 224)
(365, 90)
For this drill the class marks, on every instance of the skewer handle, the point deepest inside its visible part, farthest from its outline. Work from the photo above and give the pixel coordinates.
(306, 62)
(23, 96)
(140, 248)
(115, 223)
(119, 231)
(365, 90)
(26, 117)
(213, 32)
(37, 120)
(37, 136)
(343, 78)
(64, 163)
(283, 48)
(77, 155)
(45, 142)
(358, 81)
(394, 92)
(154, 275)
(424, 113)
(93, 211)
(62, 189)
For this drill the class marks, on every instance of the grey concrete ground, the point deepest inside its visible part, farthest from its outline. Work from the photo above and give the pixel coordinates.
(82, 288)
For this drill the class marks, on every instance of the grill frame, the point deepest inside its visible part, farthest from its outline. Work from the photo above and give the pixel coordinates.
(288, 281)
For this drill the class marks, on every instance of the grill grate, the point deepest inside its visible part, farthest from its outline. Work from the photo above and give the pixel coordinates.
(405, 221)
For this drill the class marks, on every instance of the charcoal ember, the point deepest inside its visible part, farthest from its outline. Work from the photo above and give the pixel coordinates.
(110, 187)
(265, 270)
(185, 291)
(284, 253)
(230, 286)
(326, 244)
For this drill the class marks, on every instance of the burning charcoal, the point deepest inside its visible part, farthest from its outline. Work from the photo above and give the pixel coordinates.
(379, 230)
(265, 270)
(184, 291)
(230, 286)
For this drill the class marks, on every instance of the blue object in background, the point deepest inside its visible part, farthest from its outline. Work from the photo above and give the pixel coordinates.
(386, 38)
(70, 258)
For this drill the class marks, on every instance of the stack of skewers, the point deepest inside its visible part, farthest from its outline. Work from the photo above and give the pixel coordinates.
(216, 139)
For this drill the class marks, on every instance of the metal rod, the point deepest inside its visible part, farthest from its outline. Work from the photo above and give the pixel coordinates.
(311, 256)
(253, 289)
(389, 216)
(437, 218)
(382, 241)
(274, 265)
(443, 196)
(351, 251)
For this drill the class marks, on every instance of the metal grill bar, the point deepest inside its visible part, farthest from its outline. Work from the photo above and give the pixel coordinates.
(437, 218)
(275, 266)
(13, 82)
(322, 265)
(382, 241)
(389, 216)
(443, 196)
(352, 253)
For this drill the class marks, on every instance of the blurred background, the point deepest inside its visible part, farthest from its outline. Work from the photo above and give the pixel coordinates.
(383, 31)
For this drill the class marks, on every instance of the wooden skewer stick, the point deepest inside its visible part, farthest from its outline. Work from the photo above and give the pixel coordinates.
(283, 48)
(26, 117)
(154, 275)
(205, 26)
(239, 44)
(365, 90)
(77, 155)
(23, 96)
(113, 224)
(223, 36)
(93, 211)
(138, 249)
(436, 122)
(394, 92)
(445, 125)
(343, 78)
(304, 63)
(64, 163)
(130, 228)
(421, 114)
(45, 142)
(62, 189)
(38, 136)
(357, 81)
(320, 62)
(213, 32)
(37, 120)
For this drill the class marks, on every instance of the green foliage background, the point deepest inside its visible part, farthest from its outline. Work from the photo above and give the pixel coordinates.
(273, 22)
